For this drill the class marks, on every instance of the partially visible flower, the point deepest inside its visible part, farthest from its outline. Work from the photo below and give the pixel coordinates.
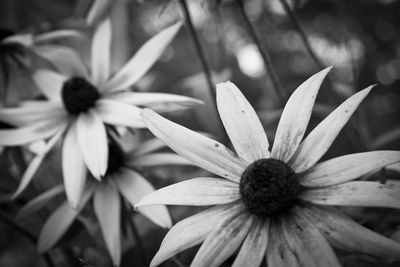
(121, 179)
(273, 203)
(85, 106)
(15, 61)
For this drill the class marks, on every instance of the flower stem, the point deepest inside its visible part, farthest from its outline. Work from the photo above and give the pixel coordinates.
(199, 48)
(27, 235)
(280, 93)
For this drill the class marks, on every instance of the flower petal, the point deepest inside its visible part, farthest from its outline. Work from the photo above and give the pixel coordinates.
(73, 167)
(347, 168)
(254, 246)
(146, 147)
(101, 47)
(202, 151)
(28, 134)
(59, 222)
(133, 187)
(223, 241)
(143, 60)
(307, 243)
(157, 159)
(53, 35)
(117, 113)
(193, 230)
(196, 192)
(50, 83)
(295, 117)
(97, 11)
(320, 139)
(107, 207)
(154, 100)
(37, 160)
(39, 202)
(92, 140)
(368, 194)
(27, 115)
(345, 233)
(241, 123)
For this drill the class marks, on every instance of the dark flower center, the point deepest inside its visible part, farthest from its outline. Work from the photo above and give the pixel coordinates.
(78, 95)
(269, 187)
(116, 158)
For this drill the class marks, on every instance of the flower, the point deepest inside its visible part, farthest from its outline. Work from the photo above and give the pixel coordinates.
(275, 204)
(121, 179)
(82, 106)
(15, 60)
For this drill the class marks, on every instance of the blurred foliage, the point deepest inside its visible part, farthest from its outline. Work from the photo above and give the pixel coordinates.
(360, 38)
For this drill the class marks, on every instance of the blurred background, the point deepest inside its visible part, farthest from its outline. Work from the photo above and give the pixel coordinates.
(360, 38)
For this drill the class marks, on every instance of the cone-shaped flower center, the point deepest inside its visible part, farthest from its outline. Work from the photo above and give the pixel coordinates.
(78, 95)
(4, 33)
(269, 187)
(116, 158)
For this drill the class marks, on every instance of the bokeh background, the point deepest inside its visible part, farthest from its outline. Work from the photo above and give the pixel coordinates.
(360, 38)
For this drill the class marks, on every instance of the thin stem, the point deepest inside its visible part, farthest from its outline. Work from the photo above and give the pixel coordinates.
(280, 93)
(139, 241)
(27, 235)
(199, 48)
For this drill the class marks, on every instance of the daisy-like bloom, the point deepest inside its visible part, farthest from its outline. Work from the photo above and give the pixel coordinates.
(15, 65)
(273, 203)
(81, 106)
(121, 179)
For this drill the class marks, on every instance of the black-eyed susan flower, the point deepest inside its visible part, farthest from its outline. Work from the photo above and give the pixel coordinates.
(122, 182)
(275, 204)
(81, 107)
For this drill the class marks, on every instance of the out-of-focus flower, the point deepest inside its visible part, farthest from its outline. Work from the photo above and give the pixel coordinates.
(98, 10)
(121, 179)
(15, 61)
(275, 204)
(81, 107)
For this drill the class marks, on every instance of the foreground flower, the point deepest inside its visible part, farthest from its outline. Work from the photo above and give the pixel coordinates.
(275, 204)
(121, 179)
(81, 106)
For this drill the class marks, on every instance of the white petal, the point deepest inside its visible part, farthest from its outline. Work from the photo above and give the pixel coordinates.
(146, 147)
(39, 202)
(50, 83)
(59, 222)
(196, 192)
(37, 160)
(347, 168)
(25, 39)
(73, 167)
(143, 60)
(157, 159)
(117, 113)
(26, 115)
(368, 194)
(254, 246)
(295, 117)
(92, 140)
(202, 151)
(193, 230)
(107, 207)
(223, 241)
(307, 243)
(320, 139)
(241, 123)
(345, 233)
(53, 35)
(101, 47)
(28, 134)
(157, 101)
(133, 187)
(65, 59)
(97, 11)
